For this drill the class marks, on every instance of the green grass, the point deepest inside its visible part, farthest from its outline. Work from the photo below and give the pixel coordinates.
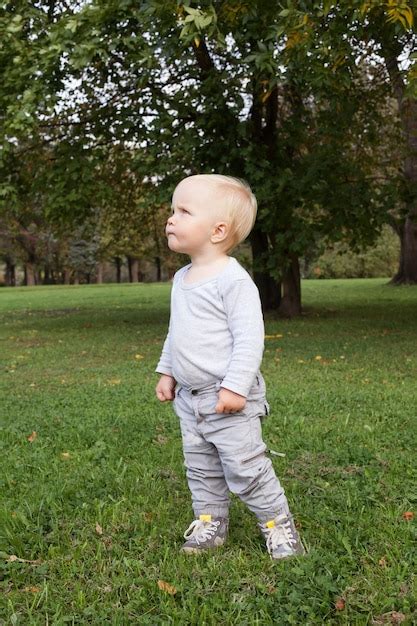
(98, 500)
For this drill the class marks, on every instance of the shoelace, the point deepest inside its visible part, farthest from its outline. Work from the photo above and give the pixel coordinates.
(201, 531)
(280, 534)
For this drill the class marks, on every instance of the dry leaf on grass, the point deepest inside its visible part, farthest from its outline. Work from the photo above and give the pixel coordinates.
(167, 587)
(32, 589)
(340, 604)
(408, 516)
(393, 617)
(32, 436)
(12, 558)
(161, 440)
(99, 529)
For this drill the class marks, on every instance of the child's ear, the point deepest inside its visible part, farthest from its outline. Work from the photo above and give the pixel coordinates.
(220, 232)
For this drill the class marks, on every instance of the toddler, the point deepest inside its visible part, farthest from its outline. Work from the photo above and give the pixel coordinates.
(210, 363)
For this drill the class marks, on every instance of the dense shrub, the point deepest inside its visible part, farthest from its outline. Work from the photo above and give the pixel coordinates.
(378, 261)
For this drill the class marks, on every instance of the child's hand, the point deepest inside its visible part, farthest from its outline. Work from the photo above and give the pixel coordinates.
(230, 402)
(165, 388)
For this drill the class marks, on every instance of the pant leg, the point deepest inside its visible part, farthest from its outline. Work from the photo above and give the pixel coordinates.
(205, 476)
(247, 470)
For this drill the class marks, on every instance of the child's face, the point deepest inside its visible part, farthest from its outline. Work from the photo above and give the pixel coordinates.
(194, 217)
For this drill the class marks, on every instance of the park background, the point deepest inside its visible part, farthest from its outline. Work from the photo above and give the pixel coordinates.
(105, 106)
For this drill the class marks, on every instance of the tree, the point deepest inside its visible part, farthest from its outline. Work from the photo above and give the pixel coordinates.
(273, 96)
(384, 32)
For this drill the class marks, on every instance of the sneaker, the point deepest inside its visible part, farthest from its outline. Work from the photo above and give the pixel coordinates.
(282, 538)
(205, 533)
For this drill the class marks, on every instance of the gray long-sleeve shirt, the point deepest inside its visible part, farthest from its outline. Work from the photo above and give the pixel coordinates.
(216, 331)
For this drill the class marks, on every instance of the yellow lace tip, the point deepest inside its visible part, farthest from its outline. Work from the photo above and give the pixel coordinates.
(270, 524)
(205, 518)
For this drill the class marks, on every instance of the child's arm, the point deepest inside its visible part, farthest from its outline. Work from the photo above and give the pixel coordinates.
(166, 384)
(244, 314)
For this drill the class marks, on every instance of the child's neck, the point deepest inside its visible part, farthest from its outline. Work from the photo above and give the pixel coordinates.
(205, 267)
(209, 260)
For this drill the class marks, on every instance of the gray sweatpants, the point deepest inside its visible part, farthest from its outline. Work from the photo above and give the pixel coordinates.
(225, 453)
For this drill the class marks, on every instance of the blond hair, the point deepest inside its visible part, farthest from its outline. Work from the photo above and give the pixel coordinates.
(238, 206)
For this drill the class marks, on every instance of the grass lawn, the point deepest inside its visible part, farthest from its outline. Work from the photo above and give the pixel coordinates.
(93, 494)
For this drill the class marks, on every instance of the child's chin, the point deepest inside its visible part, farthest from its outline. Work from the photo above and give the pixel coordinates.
(175, 247)
(172, 245)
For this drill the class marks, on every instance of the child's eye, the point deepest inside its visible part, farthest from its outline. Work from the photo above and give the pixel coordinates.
(184, 211)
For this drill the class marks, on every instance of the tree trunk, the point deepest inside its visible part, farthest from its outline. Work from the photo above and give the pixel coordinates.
(158, 269)
(133, 264)
(30, 274)
(10, 273)
(269, 288)
(76, 278)
(118, 263)
(99, 272)
(291, 286)
(407, 270)
(407, 107)
(67, 276)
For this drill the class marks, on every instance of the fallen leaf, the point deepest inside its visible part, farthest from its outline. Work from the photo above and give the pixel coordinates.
(382, 562)
(65, 455)
(33, 436)
(340, 604)
(99, 529)
(161, 440)
(318, 358)
(404, 590)
(138, 357)
(12, 558)
(167, 587)
(408, 516)
(32, 589)
(393, 617)
(114, 381)
(276, 336)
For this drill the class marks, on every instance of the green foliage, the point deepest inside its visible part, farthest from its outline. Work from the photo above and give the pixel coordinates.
(274, 95)
(380, 260)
